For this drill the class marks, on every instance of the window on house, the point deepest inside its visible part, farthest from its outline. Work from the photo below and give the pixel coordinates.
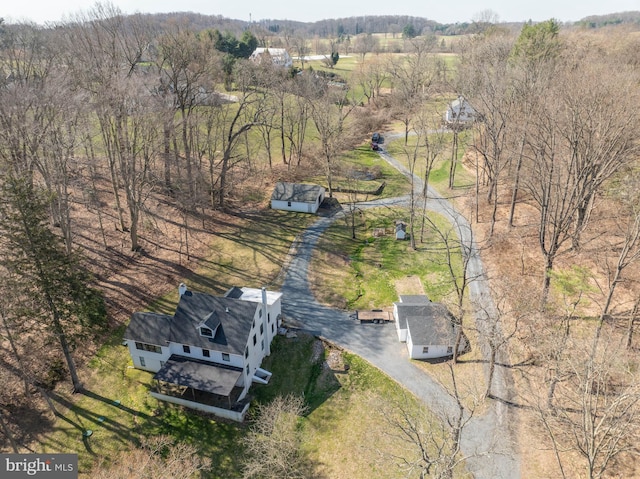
(263, 344)
(260, 313)
(425, 349)
(255, 340)
(449, 349)
(272, 328)
(142, 363)
(268, 317)
(246, 352)
(247, 369)
(226, 357)
(148, 347)
(289, 204)
(186, 349)
(162, 364)
(206, 353)
(262, 329)
(206, 332)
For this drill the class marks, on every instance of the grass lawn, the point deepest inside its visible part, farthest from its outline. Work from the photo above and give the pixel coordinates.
(360, 161)
(364, 270)
(119, 411)
(439, 177)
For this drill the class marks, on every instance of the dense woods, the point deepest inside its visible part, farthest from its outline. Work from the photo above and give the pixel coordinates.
(105, 117)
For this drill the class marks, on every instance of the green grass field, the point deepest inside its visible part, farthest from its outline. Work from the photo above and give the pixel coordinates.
(364, 270)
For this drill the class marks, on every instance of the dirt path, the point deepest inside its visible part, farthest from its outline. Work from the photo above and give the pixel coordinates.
(488, 441)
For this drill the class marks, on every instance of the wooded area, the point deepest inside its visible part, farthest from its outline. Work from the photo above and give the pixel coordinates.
(135, 126)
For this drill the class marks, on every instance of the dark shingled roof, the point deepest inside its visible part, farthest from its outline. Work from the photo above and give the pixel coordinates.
(235, 317)
(151, 328)
(429, 323)
(297, 192)
(234, 292)
(200, 375)
(432, 324)
(230, 318)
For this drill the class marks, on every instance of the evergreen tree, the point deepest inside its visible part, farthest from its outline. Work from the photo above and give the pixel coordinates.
(64, 304)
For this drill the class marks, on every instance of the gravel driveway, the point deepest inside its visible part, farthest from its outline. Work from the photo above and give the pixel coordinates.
(487, 440)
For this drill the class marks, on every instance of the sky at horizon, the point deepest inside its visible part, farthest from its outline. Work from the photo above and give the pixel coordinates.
(42, 11)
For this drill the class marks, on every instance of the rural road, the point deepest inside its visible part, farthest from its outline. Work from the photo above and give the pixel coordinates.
(488, 440)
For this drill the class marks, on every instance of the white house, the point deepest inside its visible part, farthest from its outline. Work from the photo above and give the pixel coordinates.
(460, 113)
(299, 197)
(277, 56)
(207, 355)
(428, 328)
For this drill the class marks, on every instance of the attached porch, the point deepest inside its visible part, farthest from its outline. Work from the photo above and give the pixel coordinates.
(201, 385)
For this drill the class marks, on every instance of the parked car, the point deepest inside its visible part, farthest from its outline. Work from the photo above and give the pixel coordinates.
(376, 137)
(375, 146)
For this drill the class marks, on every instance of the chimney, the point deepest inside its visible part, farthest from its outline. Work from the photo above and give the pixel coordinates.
(265, 314)
(182, 289)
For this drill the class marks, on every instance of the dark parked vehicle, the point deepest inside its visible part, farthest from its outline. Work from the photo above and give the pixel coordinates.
(376, 137)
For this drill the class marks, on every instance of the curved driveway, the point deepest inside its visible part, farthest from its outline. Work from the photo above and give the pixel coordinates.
(487, 440)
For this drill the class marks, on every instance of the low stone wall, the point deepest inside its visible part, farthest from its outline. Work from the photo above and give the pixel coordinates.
(375, 192)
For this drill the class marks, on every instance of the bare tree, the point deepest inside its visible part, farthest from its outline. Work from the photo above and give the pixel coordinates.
(457, 255)
(596, 414)
(273, 444)
(159, 456)
(432, 443)
(329, 113)
(413, 76)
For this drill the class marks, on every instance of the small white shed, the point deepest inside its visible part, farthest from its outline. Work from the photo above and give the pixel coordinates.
(300, 197)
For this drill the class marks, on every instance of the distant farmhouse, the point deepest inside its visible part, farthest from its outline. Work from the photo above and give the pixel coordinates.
(208, 353)
(303, 198)
(460, 113)
(428, 328)
(276, 56)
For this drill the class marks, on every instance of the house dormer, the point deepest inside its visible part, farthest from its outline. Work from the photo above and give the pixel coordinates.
(209, 325)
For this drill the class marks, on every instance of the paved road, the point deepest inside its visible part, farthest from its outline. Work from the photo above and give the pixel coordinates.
(487, 439)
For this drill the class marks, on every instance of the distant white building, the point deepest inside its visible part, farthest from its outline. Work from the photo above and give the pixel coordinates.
(277, 56)
(460, 113)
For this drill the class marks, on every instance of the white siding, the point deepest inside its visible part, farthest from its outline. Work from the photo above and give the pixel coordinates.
(295, 206)
(416, 351)
(152, 361)
(402, 332)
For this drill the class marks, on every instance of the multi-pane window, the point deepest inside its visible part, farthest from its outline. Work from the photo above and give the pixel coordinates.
(206, 353)
(206, 332)
(186, 349)
(148, 347)
(425, 349)
(255, 339)
(262, 329)
(142, 363)
(226, 357)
